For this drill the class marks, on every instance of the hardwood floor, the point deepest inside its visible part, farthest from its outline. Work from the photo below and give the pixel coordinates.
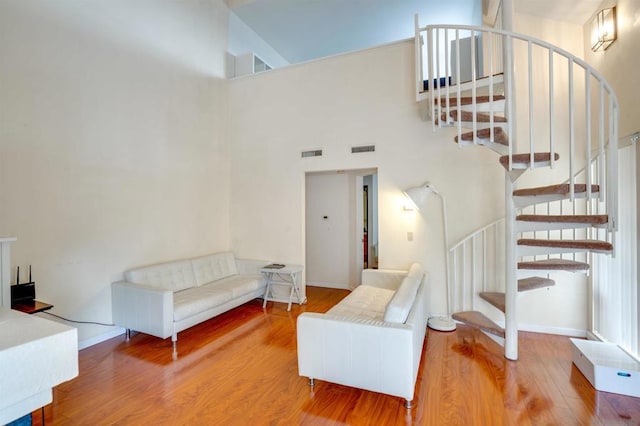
(241, 369)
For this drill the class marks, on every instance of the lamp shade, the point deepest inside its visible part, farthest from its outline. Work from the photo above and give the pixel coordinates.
(419, 194)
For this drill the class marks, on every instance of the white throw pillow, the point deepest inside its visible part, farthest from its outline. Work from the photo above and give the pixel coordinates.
(400, 305)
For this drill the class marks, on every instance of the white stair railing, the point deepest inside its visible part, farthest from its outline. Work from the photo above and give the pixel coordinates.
(557, 115)
(572, 110)
(477, 264)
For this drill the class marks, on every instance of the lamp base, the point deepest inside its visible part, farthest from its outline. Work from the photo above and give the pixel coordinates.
(441, 323)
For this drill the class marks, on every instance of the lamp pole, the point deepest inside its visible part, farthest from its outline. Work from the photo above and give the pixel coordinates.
(443, 323)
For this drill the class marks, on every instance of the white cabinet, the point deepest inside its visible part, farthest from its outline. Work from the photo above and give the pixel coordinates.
(249, 63)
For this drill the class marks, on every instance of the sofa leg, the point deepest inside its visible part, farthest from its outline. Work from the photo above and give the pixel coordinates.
(174, 342)
(312, 381)
(408, 403)
(127, 334)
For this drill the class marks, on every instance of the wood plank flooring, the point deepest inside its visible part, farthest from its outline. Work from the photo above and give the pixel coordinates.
(241, 369)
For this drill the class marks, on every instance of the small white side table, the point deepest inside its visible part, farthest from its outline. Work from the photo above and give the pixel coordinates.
(288, 275)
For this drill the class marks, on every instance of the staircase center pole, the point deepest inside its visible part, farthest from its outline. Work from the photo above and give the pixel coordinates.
(511, 282)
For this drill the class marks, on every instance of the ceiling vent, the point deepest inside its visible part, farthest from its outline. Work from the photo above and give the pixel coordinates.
(312, 153)
(364, 148)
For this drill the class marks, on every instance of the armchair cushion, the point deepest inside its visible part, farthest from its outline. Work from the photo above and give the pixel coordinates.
(363, 302)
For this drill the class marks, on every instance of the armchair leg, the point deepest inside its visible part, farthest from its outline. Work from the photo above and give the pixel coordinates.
(312, 381)
(408, 403)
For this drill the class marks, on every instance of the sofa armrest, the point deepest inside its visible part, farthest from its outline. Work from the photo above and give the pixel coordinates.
(142, 308)
(372, 355)
(383, 278)
(250, 266)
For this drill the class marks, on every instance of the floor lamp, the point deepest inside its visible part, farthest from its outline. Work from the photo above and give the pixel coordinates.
(418, 195)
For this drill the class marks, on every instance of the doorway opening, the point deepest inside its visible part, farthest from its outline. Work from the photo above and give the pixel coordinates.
(341, 217)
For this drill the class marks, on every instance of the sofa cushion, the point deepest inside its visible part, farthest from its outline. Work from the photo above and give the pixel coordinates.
(364, 302)
(400, 304)
(192, 301)
(214, 267)
(174, 276)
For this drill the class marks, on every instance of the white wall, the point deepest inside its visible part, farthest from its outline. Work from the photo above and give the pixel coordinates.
(620, 62)
(361, 98)
(113, 148)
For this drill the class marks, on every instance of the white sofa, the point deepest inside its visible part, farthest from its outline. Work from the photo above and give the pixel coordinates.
(373, 338)
(166, 298)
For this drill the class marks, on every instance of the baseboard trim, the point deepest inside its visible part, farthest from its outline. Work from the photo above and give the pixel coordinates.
(100, 338)
(327, 285)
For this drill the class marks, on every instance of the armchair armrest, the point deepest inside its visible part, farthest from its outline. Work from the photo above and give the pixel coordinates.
(142, 308)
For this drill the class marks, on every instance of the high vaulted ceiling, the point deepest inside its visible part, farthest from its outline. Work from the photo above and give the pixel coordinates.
(300, 30)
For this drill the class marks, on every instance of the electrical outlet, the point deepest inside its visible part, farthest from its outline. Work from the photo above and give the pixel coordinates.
(409, 236)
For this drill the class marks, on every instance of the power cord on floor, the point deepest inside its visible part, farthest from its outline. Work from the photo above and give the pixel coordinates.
(78, 322)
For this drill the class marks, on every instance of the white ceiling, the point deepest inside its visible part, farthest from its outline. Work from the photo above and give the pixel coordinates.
(301, 30)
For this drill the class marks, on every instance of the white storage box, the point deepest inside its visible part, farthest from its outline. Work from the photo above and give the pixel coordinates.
(607, 367)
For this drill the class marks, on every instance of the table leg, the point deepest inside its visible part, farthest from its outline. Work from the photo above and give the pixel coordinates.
(293, 286)
(267, 289)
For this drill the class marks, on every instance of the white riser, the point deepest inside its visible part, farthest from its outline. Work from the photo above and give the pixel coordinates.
(479, 125)
(528, 273)
(538, 251)
(498, 107)
(526, 226)
(525, 166)
(495, 147)
(540, 199)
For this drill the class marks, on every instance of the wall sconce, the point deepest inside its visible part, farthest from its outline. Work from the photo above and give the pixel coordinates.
(603, 29)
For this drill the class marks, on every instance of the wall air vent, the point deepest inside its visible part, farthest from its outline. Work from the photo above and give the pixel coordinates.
(312, 153)
(364, 148)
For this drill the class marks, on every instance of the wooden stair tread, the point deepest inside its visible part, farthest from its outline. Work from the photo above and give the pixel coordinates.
(538, 157)
(596, 219)
(467, 116)
(497, 299)
(467, 100)
(499, 136)
(571, 244)
(494, 298)
(532, 283)
(554, 264)
(479, 320)
(562, 189)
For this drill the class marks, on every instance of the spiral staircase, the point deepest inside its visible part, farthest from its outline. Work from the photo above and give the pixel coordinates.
(567, 116)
